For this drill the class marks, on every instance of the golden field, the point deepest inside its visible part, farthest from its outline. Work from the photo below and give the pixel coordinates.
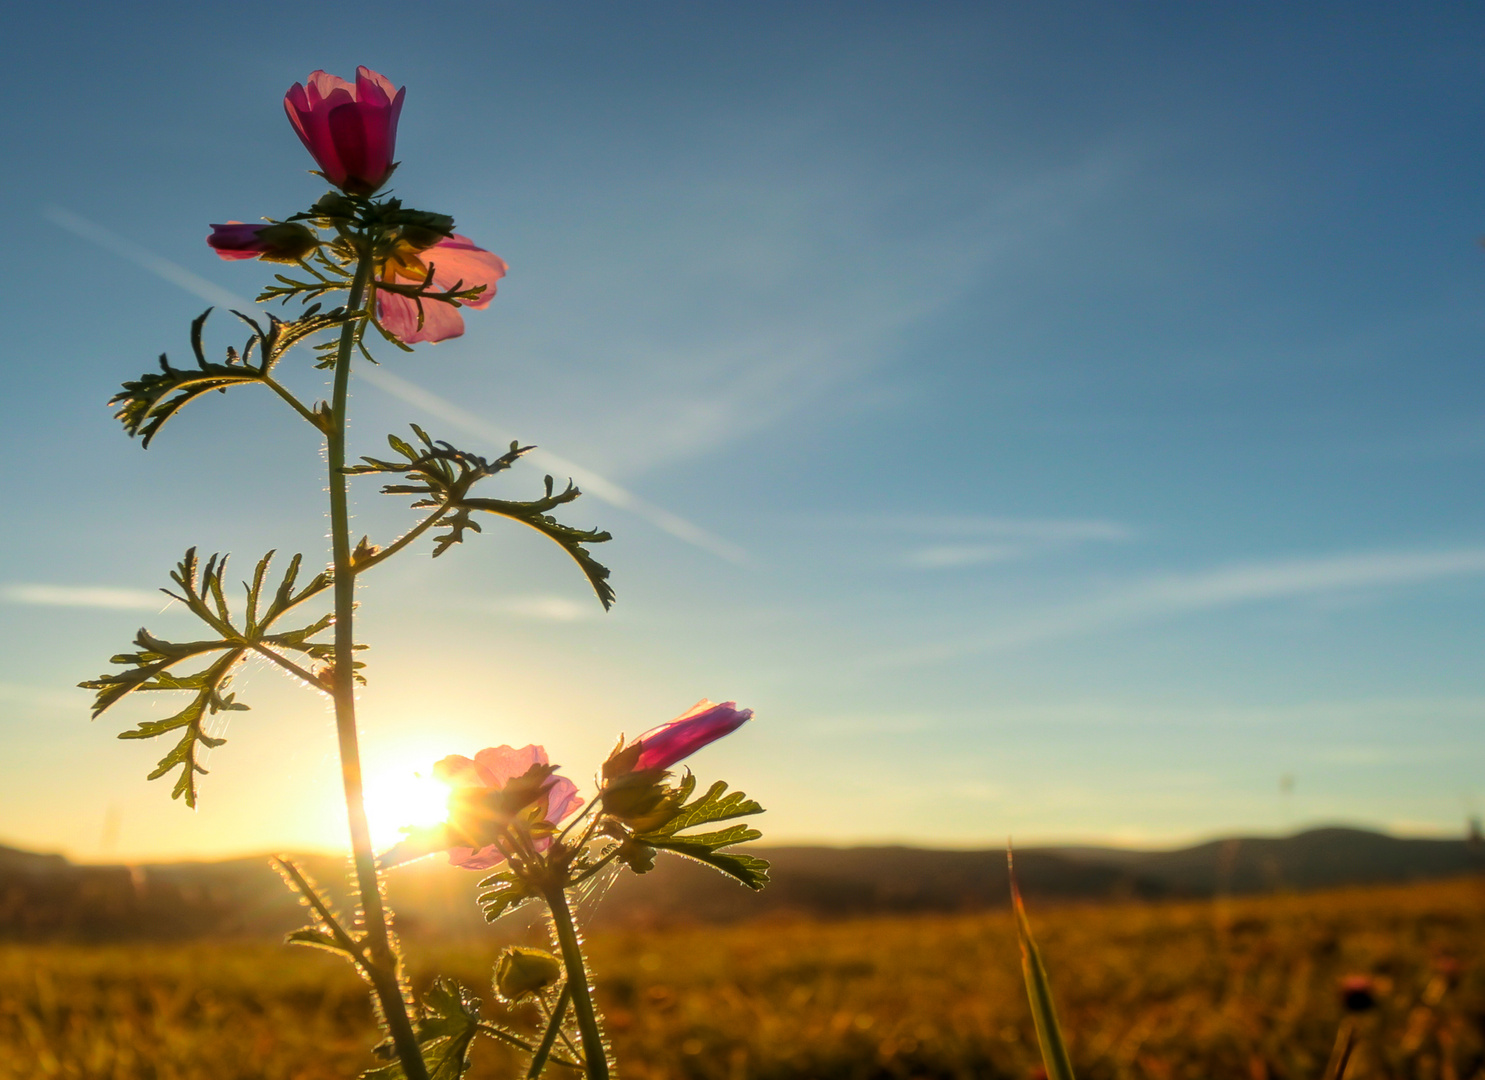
(1242, 988)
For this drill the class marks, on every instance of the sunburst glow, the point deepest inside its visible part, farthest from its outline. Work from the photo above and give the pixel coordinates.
(397, 798)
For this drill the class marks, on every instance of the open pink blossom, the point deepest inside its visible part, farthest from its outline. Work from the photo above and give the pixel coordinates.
(456, 262)
(276, 242)
(350, 131)
(663, 746)
(500, 789)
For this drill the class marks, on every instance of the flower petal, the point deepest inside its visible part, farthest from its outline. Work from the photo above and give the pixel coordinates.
(563, 800)
(699, 725)
(321, 85)
(373, 88)
(399, 316)
(501, 764)
(476, 859)
(459, 261)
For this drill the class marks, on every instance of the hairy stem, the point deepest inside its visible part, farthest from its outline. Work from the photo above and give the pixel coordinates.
(382, 959)
(402, 541)
(595, 1054)
(303, 674)
(297, 405)
(554, 1027)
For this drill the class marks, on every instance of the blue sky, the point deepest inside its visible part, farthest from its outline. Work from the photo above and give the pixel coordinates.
(1059, 420)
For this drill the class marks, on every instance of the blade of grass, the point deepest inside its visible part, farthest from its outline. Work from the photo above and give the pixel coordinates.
(1340, 1054)
(1038, 988)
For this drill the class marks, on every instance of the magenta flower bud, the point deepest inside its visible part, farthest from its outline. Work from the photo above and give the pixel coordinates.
(703, 723)
(350, 131)
(271, 243)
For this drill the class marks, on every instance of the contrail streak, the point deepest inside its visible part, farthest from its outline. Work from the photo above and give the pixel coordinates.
(591, 482)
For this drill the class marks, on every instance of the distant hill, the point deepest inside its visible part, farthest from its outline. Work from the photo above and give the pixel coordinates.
(45, 897)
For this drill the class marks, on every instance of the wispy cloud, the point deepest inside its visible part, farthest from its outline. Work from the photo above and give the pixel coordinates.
(1178, 594)
(947, 556)
(822, 277)
(592, 483)
(945, 542)
(541, 608)
(1048, 530)
(83, 596)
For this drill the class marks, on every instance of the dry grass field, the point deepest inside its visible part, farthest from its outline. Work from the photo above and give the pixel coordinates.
(1241, 989)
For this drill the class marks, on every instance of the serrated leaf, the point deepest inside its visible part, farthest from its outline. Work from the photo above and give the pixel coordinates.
(748, 869)
(201, 591)
(713, 806)
(146, 403)
(571, 540)
(445, 1032)
(316, 938)
(441, 476)
(507, 892)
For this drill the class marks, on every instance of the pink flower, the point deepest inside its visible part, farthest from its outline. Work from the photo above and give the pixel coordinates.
(272, 243)
(498, 790)
(456, 261)
(661, 747)
(350, 131)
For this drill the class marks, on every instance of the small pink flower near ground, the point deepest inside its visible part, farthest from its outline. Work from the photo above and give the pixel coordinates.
(456, 261)
(663, 746)
(350, 130)
(499, 788)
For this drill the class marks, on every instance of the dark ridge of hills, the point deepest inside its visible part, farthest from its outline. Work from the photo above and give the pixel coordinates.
(45, 897)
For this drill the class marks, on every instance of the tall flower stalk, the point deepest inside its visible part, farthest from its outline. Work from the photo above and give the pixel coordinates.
(404, 275)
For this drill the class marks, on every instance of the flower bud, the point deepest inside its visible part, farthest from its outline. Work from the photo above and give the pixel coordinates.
(349, 129)
(521, 970)
(663, 746)
(1358, 993)
(642, 800)
(278, 242)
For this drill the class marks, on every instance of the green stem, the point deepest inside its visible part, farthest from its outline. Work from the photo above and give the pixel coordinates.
(382, 959)
(401, 542)
(594, 1052)
(298, 406)
(599, 865)
(549, 1038)
(288, 665)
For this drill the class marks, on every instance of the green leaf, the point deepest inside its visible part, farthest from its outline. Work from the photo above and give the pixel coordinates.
(316, 938)
(442, 476)
(748, 869)
(146, 403)
(186, 753)
(327, 931)
(1039, 990)
(715, 805)
(571, 540)
(446, 1030)
(507, 892)
(201, 590)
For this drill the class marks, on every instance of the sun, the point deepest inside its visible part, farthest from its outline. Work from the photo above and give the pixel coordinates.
(400, 797)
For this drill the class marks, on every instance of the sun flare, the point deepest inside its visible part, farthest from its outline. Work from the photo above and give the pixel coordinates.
(397, 798)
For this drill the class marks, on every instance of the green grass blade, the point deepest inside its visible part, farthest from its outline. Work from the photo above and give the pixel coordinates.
(1340, 1055)
(1039, 990)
